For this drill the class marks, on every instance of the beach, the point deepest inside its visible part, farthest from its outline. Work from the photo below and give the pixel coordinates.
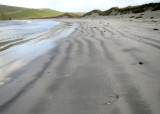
(104, 66)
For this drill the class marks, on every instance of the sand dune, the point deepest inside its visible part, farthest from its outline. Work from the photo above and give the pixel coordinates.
(96, 70)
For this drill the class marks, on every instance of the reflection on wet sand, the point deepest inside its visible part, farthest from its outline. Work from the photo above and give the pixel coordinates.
(15, 54)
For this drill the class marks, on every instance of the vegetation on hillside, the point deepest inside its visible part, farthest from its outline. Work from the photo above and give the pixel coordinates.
(70, 15)
(78, 13)
(10, 12)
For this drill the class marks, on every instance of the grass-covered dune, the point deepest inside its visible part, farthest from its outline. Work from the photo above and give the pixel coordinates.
(93, 11)
(10, 12)
(126, 10)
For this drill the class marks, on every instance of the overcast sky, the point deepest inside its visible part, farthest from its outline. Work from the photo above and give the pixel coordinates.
(74, 5)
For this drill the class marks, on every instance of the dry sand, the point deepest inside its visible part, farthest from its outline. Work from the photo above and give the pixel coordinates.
(96, 70)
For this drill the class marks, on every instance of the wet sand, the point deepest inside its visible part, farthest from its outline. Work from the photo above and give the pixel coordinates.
(95, 70)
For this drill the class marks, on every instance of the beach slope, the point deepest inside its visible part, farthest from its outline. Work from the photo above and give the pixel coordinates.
(107, 66)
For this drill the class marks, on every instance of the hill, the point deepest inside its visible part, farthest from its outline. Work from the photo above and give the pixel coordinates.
(10, 12)
(127, 10)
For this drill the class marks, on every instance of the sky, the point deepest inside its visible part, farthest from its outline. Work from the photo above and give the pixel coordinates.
(75, 5)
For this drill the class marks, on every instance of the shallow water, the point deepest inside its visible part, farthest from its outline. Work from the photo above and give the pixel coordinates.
(23, 41)
(15, 29)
